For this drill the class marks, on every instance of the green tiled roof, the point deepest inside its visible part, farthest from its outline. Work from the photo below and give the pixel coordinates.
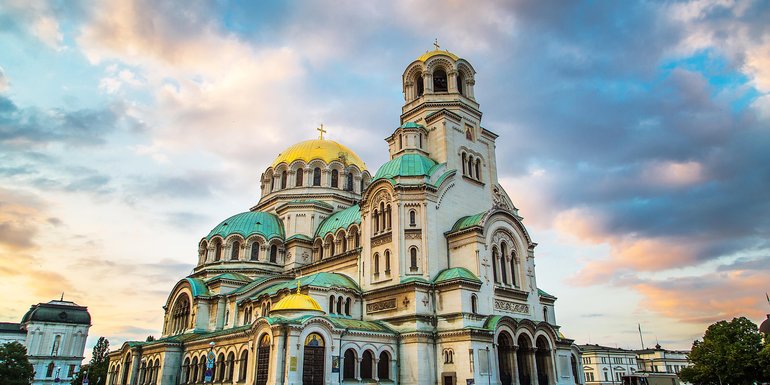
(456, 273)
(232, 277)
(469, 221)
(405, 165)
(339, 220)
(370, 326)
(491, 322)
(248, 223)
(412, 125)
(415, 279)
(443, 176)
(543, 293)
(251, 285)
(299, 236)
(198, 287)
(322, 279)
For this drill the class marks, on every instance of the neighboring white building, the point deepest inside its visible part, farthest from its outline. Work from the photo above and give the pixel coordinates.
(422, 273)
(606, 365)
(659, 360)
(54, 334)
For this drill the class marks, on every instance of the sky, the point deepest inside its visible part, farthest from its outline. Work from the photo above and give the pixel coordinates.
(634, 137)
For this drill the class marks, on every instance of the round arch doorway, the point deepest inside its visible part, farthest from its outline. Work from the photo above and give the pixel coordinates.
(263, 360)
(504, 358)
(313, 360)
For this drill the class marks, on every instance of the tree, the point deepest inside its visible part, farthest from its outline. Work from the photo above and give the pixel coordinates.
(96, 369)
(728, 355)
(15, 368)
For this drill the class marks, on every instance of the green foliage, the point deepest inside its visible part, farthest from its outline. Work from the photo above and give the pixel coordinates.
(728, 355)
(96, 369)
(15, 368)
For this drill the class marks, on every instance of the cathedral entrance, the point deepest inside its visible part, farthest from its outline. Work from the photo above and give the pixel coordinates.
(504, 358)
(263, 360)
(525, 370)
(313, 361)
(543, 359)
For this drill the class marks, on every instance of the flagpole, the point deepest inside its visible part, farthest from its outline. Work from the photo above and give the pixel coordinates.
(640, 335)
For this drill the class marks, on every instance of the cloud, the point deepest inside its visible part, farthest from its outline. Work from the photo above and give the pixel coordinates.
(5, 83)
(20, 220)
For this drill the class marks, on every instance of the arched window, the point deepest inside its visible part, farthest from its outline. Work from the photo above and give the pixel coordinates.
(389, 212)
(330, 242)
(376, 264)
(283, 180)
(335, 178)
(272, 183)
(299, 177)
(470, 166)
(367, 359)
(242, 365)
(465, 164)
(412, 218)
(439, 81)
(413, 259)
(449, 356)
(49, 371)
(339, 305)
(460, 83)
(514, 281)
(478, 169)
(236, 247)
(56, 344)
(382, 216)
(357, 239)
(362, 185)
(545, 313)
(180, 315)
(494, 264)
(376, 220)
(220, 367)
(383, 366)
(273, 253)
(420, 139)
(349, 183)
(255, 251)
(419, 83)
(343, 243)
(316, 176)
(387, 261)
(230, 366)
(503, 269)
(194, 370)
(474, 304)
(400, 141)
(349, 366)
(185, 371)
(347, 306)
(217, 250)
(331, 304)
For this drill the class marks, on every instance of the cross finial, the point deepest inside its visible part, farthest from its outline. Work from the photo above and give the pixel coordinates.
(435, 44)
(298, 285)
(62, 296)
(321, 131)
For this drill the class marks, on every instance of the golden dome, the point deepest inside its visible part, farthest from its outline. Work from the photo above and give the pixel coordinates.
(430, 54)
(323, 149)
(297, 301)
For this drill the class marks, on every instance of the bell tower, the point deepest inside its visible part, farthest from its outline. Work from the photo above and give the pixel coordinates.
(439, 96)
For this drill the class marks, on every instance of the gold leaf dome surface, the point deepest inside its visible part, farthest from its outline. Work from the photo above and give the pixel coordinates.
(427, 55)
(322, 149)
(297, 301)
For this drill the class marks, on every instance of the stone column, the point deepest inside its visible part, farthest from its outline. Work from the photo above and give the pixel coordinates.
(375, 375)
(358, 369)
(220, 314)
(452, 81)
(533, 360)
(515, 366)
(427, 81)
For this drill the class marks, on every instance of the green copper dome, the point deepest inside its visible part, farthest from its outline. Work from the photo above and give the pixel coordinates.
(249, 223)
(406, 165)
(339, 220)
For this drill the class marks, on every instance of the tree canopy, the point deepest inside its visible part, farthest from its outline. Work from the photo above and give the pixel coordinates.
(728, 355)
(15, 368)
(96, 369)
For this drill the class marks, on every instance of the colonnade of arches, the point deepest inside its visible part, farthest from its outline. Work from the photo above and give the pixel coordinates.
(255, 248)
(505, 264)
(524, 362)
(368, 366)
(227, 367)
(148, 371)
(438, 75)
(315, 174)
(337, 243)
(471, 165)
(340, 305)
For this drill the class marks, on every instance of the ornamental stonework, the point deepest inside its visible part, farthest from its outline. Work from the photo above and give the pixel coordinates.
(388, 304)
(382, 239)
(511, 307)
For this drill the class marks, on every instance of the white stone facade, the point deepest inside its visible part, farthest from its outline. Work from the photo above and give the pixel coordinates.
(54, 334)
(424, 271)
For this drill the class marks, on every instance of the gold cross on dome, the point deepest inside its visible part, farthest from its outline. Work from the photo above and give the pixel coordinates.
(298, 286)
(321, 131)
(435, 44)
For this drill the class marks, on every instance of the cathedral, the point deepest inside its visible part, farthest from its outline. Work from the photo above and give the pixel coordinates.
(421, 273)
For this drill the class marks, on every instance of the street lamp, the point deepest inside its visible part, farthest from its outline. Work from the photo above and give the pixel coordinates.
(209, 376)
(56, 379)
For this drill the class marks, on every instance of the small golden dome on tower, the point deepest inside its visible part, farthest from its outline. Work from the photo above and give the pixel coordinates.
(297, 302)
